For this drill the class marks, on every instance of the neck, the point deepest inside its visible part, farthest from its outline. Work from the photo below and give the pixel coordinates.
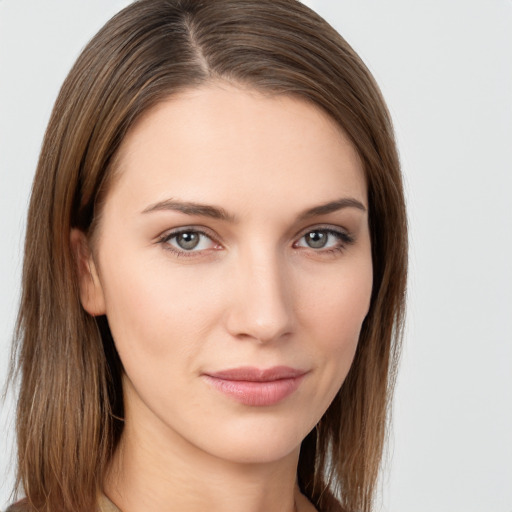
(157, 469)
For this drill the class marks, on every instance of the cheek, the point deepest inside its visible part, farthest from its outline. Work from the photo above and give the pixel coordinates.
(333, 317)
(337, 301)
(153, 311)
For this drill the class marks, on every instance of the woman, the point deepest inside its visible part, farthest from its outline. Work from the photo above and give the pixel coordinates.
(214, 271)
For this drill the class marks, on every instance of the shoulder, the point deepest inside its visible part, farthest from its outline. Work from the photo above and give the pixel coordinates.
(20, 506)
(104, 505)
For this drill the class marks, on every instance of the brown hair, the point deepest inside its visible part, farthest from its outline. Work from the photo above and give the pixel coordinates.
(71, 397)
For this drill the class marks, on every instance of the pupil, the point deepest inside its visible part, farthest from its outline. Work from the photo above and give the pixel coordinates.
(187, 240)
(316, 239)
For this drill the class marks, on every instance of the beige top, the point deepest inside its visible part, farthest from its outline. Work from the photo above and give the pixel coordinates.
(105, 505)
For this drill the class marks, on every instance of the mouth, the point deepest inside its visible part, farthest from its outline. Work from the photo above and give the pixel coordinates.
(257, 387)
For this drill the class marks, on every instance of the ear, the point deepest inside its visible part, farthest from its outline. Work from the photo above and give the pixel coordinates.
(91, 291)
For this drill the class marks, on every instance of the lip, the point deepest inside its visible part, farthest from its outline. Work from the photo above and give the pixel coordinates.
(257, 387)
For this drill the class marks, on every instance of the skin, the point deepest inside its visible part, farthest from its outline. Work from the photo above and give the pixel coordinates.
(253, 292)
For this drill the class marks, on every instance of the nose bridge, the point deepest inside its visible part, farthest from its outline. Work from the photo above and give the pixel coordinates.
(262, 306)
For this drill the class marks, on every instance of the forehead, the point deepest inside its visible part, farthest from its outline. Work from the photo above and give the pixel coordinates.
(211, 141)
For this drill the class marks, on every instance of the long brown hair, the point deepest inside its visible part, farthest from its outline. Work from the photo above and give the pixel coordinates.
(70, 399)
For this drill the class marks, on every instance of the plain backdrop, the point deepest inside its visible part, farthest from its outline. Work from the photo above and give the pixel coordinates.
(445, 68)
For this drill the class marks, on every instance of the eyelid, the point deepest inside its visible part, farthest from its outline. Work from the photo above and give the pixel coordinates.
(196, 228)
(325, 227)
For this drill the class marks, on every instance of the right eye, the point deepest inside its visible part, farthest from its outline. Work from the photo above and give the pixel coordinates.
(188, 242)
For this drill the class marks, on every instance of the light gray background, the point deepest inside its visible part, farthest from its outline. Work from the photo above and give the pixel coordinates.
(445, 68)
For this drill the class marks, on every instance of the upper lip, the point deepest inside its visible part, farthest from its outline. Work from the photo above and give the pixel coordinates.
(252, 374)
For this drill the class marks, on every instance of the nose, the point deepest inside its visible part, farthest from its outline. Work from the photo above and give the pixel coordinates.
(261, 308)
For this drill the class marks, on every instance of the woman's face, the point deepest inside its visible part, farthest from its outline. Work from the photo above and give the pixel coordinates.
(233, 262)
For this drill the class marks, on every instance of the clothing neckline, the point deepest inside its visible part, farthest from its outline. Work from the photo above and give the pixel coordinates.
(105, 505)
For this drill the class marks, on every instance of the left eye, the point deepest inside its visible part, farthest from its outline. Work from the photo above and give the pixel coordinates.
(323, 239)
(189, 241)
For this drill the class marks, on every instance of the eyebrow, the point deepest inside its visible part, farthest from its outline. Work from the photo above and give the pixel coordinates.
(190, 208)
(215, 212)
(332, 206)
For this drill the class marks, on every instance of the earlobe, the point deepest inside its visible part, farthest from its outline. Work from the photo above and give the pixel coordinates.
(91, 290)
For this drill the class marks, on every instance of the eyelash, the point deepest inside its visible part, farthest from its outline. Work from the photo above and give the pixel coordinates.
(344, 240)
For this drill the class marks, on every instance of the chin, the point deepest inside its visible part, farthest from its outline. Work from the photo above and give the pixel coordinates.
(266, 439)
(257, 451)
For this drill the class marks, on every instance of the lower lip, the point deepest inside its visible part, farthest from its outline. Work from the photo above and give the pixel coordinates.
(256, 393)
